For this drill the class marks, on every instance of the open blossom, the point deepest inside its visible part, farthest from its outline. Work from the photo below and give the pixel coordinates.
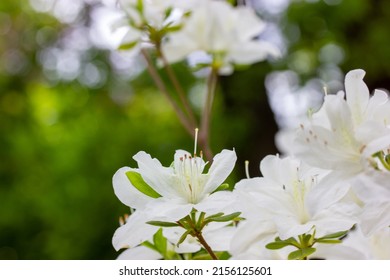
(373, 189)
(144, 15)
(225, 33)
(344, 134)
(285, 203)
(374, 247)
(176, 191)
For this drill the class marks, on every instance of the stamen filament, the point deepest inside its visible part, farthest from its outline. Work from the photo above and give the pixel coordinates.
(247, 169)
(196, 140)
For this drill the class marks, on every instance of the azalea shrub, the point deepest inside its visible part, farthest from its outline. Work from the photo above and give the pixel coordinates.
(326, 197)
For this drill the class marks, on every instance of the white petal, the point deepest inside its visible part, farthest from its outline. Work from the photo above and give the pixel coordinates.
(168, 210)
(132, 36)
(376, 216)
(338, 218)
(377, 104)
(357, 93)
(139, 253)
(219, 240)
(222, 166)
(155, 175)
(249, 234)
(134, 232)
(337, 252)
(251, 52)
(377, 145)
(288, 226)
(328, 191)
(222, 201)
(178, 47)
(248, 23)
(126, 192)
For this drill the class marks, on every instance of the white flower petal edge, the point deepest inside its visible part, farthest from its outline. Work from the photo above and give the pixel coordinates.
(134, 231)
(357, 94)
(285, 197)
(126, 192)
(155, 175)
(139, 253)
(344, 134)
(222, 166)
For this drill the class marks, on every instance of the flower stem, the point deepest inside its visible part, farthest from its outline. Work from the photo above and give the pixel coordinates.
(162, 88)
(202, 241)
(178, 88)
(382, 158)
(204, 136)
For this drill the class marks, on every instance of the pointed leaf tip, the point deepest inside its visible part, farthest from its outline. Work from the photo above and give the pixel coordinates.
(139, 183)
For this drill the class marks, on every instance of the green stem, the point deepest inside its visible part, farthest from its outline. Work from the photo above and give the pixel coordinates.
(162, 88)
(178, 88)
(204, 136)
(202, 241)
(381, 156)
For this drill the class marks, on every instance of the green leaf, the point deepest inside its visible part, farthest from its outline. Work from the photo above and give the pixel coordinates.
(338, 234)
(225, 218)
(301, 253)
(203, 255)
(306, 239)
(277, 245)
(387, 159)
(241, 67)
(215, 216)
(223, 187)
(138, 182)
(183, 237)
(160, 242)
(162, 224)
(149, 245)
(200, 221)
(292, 241)
(127, 46)
(168, 12)
(329, 241)
(140, 6)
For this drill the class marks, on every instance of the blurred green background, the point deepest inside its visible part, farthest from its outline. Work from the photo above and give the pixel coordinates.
(70, 117)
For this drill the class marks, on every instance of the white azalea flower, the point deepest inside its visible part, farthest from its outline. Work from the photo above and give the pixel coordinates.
(153, 12)
(224, 32)
(373, 189)
(344, 134)
(287, 201)
(139, 253)
(177, 190)
(374, 247)
(144, 15)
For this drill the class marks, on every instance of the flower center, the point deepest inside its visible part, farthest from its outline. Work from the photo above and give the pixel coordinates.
(299, 190)
(190, 173)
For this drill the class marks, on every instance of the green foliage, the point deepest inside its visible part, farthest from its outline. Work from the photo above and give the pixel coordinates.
(161, 245)
(301, 253)
(138, 182)
(305, 243)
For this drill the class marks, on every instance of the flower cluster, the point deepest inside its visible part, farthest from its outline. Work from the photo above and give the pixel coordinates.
(335, 184)
(327, 198)
(220, 34)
